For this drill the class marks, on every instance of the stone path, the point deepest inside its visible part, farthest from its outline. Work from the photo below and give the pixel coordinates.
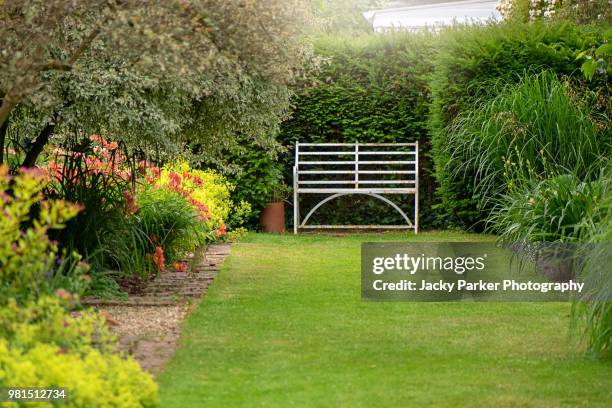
(148, 324)
(172, 286)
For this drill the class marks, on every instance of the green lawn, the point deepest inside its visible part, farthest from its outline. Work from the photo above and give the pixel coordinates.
(284, 325)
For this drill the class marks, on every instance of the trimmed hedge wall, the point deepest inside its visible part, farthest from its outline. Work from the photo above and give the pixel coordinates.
(470, 63)
(399, 87)
(372, 88)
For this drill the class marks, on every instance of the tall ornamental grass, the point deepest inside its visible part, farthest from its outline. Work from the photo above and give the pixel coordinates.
(524, 140)
(592, 313)
(539, 166)
(470, 63)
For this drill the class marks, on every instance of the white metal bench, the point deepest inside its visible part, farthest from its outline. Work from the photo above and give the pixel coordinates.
(373, 169)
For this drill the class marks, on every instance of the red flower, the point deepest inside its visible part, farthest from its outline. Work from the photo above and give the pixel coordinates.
(180, 266)
(175, 180)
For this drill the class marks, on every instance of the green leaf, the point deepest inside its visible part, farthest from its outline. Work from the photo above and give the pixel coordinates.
(581, 55)
(604, 50)
(588, 68)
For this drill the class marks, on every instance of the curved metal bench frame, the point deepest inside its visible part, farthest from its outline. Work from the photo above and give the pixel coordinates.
(373, 188)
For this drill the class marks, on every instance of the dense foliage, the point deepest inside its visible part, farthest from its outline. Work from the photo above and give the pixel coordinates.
(43, 345)
(471, 62)
(162, 76)
(30, 263)
(373, 88)
(528, 132)
(255, 174)
(540, 169)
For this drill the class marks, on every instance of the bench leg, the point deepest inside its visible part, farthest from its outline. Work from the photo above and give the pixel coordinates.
(296, 204)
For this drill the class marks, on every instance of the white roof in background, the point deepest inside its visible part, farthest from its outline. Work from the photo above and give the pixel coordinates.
(428, 15)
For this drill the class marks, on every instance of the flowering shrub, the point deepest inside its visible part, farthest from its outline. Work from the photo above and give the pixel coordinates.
(155, 231)
(206, 190)
(103, 158)
(98, 177)
(42, 345)
(29, 261)
(137, 219)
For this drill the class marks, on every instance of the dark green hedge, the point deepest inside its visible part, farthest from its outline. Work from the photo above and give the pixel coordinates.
(372, 88)
(399, 87)
(469, 64)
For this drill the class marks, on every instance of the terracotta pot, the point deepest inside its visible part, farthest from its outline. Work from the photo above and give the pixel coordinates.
(272, 218)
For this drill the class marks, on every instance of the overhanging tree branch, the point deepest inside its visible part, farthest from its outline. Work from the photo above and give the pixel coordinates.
(14, 96)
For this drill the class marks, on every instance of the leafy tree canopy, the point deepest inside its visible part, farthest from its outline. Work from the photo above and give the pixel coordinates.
(164, 72)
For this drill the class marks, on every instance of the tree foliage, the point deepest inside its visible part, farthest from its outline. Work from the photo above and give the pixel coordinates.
(162, 72)
(344, 16)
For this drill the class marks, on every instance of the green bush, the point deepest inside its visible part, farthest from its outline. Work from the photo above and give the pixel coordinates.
(470, 65)
(169, 221)
(164, 220)
(31, 264)
(42, 345)
(531, 131)
(373, 88)
(257, 175)
(548, 210)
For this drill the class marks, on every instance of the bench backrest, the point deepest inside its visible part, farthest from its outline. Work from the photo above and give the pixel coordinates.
(385, 168)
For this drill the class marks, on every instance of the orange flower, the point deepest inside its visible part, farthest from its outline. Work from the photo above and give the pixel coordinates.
(180, 266)
(159, 261)
(131, 207)
(63, 294)
(221, 231)
(142, 166)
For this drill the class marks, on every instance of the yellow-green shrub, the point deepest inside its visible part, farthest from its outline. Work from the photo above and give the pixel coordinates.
(208, 191)
(46, 321)
(41, 345)
(29, 263)
(91, 378)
